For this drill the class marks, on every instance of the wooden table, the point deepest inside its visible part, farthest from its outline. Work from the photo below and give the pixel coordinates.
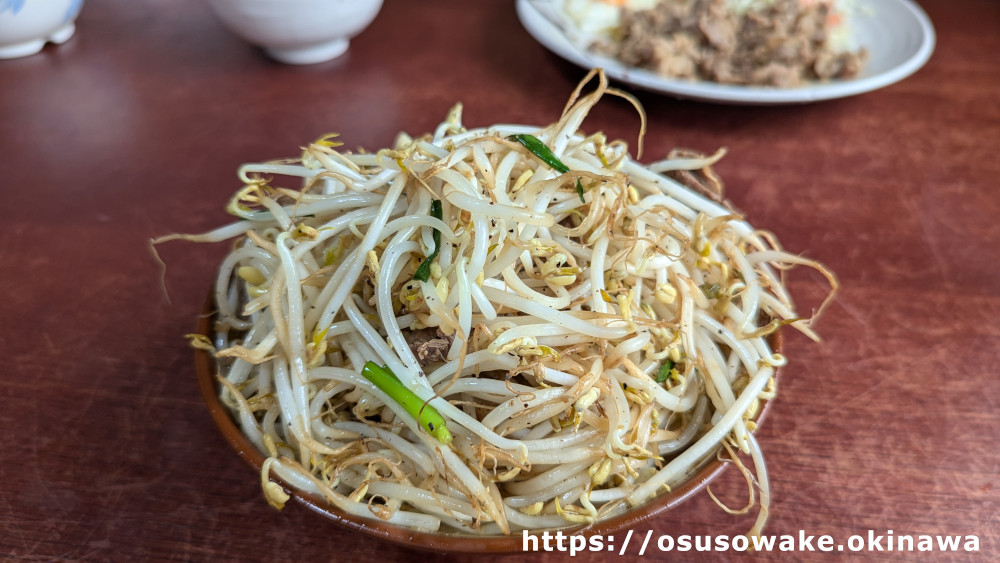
(135, 128)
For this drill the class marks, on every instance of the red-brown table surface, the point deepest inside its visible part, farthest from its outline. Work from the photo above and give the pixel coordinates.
(135, 128)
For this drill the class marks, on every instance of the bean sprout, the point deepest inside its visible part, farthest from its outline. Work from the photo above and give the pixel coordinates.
(590, 330)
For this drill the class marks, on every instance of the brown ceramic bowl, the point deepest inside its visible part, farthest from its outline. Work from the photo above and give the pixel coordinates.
(441, 542)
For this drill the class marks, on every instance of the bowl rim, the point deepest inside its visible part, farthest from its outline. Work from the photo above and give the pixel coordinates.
(441, 542)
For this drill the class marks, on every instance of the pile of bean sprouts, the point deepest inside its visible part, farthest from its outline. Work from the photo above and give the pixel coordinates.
(604, 331)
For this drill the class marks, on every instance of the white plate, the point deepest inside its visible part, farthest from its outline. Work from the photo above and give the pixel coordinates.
(898, 35)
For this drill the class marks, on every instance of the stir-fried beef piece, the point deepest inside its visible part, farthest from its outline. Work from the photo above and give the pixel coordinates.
(429, 345)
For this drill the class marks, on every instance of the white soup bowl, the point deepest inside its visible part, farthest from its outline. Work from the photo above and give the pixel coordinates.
(297, 31)
(27, 25)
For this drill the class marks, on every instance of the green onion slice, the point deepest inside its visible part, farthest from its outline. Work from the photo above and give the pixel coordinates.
(426, 416)
(664, 372)
(423, 272)
(539, 149)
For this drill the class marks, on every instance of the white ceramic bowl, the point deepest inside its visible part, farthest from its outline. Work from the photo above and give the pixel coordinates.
(298, 31)
(27, 25)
